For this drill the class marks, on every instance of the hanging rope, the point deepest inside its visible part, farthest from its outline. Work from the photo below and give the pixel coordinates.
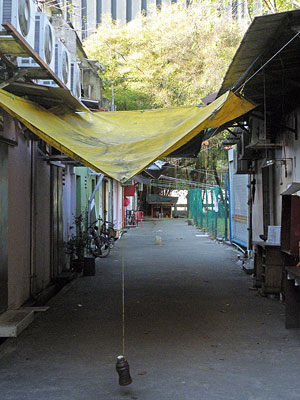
(123, 295)
(122, 365)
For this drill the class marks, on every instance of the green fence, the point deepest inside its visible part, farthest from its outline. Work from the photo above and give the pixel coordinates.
(209, 210)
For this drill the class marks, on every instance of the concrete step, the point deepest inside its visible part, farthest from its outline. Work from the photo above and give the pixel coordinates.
(13, 322)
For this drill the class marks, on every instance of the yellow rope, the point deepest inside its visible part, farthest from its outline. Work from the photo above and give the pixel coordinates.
(123, 294)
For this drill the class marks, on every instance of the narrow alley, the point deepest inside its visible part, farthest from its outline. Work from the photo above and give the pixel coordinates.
(194, 329)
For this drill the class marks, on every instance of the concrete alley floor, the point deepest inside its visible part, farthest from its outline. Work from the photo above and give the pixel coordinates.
(194, 330)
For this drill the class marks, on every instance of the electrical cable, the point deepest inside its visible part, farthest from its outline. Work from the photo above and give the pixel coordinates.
(267, 62)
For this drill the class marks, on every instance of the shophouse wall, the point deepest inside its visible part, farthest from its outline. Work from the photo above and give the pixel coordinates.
(285, 170)
(28, 219)
(41, 269)
(65, 33)
(3, 226)
(81, 190)
(92, 85)
(85, 183)
(19, 210)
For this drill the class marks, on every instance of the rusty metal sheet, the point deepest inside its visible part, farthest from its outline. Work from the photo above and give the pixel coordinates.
(9, 47)
(46, 96)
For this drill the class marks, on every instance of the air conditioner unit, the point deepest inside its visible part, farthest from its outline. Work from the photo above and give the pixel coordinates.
(240, 166)
(47, 82)
(258, 132)
(245, 151)
(62, 63)
(62, 66)
(44, 43)
(75, 79)
(21, 14)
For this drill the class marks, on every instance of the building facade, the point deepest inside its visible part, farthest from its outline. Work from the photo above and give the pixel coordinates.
(41, 189)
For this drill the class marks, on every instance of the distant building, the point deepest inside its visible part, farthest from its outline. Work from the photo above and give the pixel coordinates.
(86, 15)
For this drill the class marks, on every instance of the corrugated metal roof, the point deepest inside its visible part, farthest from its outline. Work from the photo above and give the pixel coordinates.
(265, 36)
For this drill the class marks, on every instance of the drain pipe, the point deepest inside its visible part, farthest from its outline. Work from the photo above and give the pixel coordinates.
(92, 198)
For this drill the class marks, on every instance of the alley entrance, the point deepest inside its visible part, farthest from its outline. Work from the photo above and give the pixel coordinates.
(194, 329)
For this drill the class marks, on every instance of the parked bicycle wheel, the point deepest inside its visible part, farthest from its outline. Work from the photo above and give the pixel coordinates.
(100, 247)
(105, 247)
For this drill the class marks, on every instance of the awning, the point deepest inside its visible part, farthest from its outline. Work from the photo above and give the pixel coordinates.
(123, 143)
(294, 188)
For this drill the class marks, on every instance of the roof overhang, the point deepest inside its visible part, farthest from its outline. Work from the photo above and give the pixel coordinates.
(269, 55)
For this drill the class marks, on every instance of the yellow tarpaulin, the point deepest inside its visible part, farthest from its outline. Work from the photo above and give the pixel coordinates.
(122, 143)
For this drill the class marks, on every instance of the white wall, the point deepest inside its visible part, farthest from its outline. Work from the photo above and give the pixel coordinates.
(118, 217)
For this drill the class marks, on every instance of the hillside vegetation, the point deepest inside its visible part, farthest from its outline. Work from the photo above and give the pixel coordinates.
(169, 58)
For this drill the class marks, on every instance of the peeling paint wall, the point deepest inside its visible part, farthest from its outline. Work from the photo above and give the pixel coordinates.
(19, 182)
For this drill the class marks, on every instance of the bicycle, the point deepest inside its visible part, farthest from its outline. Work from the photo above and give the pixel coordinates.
(107, 230)
(99, 245)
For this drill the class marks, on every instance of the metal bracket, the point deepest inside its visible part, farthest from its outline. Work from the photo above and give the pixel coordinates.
(11, 30)
(18, 75)
(242, 127)
(10, 142)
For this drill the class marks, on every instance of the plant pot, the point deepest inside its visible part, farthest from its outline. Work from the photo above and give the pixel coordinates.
(77, 265)
(89, 268)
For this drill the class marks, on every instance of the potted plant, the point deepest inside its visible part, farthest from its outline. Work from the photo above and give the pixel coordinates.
(77, 244)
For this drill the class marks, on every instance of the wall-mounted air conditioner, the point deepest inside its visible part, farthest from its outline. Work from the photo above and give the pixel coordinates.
(258, 132)
(62, 66)
(21, 14)
(62, 63)
(44, 43)
(240, 166)
(47, 82)
(75, 79)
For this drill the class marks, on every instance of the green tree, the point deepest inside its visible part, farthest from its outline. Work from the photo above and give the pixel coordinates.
(169, 58)
(271, 6)
(254, 7)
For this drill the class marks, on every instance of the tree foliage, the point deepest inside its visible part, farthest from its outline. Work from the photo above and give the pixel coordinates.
(271, 6)
(169, 58)
(253, 7)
